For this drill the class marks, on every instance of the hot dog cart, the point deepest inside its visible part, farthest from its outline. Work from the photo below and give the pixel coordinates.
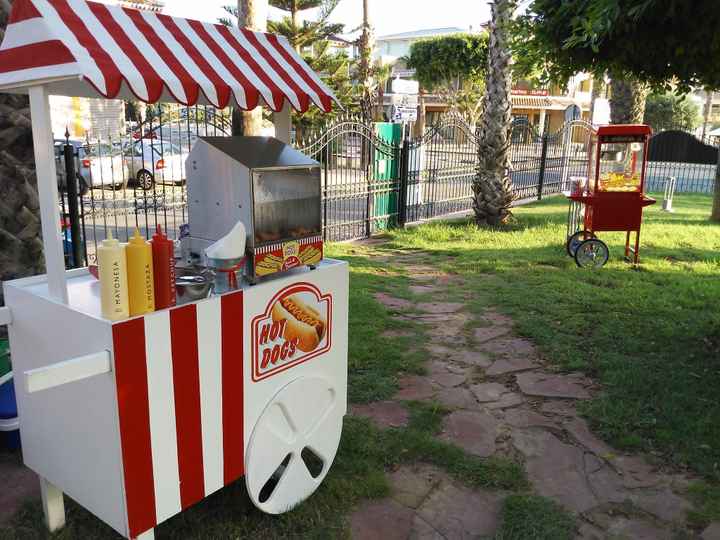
(140, 418)
(612, 197)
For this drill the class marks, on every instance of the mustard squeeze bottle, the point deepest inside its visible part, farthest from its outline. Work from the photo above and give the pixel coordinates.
(141, 289)
(112, 271)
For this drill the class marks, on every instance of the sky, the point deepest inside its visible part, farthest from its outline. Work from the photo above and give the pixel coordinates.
(388, 16)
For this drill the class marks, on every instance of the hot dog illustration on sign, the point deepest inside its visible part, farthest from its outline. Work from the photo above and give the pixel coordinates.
(295, 327)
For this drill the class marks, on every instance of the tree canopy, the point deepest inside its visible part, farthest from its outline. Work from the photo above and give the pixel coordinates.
(441, 61)
(661, 42)
(670, 111)
(453, 66)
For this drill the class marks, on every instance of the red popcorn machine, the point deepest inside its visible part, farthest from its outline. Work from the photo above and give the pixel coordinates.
(140, 418)
(612, 196)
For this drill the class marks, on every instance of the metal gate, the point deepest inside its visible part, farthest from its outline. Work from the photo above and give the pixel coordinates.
(360, 178)
(542, 164)
(439, 169)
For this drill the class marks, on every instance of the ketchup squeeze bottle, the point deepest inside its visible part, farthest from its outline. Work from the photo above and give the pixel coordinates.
(163, 254)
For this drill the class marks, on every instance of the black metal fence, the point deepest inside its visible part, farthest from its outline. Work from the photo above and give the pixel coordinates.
(685, 157)
(370, 180)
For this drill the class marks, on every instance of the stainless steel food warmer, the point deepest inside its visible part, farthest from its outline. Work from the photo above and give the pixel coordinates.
(269, 186)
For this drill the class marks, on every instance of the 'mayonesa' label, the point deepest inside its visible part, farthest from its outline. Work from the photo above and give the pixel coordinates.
(296, 326)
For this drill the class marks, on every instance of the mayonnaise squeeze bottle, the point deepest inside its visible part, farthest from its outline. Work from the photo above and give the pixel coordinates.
(112, 271)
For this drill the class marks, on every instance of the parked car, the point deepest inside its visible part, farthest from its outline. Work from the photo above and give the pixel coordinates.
(98, 165)
(151, 161)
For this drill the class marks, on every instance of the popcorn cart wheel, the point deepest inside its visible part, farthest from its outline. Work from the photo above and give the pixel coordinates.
(576, 239)
(592, 253)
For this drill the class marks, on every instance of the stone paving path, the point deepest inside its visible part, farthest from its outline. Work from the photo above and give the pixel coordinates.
(505, 401)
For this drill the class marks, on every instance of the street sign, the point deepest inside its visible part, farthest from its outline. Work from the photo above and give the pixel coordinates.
(404, 114)
(405, 86)
(404, 100)
(403, 73)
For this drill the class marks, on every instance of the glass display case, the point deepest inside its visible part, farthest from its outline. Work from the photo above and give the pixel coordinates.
(617, 162)
(287, 204)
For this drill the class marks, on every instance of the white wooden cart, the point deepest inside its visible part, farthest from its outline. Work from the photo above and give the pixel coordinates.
(137, 420)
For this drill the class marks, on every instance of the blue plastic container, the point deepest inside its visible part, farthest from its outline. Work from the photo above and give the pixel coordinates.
(9, 425)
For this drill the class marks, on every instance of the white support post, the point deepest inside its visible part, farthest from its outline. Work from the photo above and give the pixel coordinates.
(53, 505)
(48, 192)
(283, 124)
(541, 122)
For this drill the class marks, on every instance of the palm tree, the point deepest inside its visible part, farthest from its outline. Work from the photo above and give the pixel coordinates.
(627, 103)
(492, 187)
(251, 14)
(366, 44)
(21, 250)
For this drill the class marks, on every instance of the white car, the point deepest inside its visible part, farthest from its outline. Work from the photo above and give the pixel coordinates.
(98, 165)
(105, 166)
(151, 161)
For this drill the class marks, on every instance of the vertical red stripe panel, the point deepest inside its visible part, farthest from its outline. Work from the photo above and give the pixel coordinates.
(231, 315)
(186, 385)
(134, 413)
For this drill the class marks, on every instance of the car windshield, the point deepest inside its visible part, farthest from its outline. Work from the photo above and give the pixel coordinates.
(158, 148)
(98, 150)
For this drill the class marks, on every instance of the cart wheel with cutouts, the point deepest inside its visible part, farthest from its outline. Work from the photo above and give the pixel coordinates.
(576, 239)
(592, 253)
(293, 444)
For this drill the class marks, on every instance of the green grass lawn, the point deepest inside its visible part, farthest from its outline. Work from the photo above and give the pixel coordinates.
(650, 335)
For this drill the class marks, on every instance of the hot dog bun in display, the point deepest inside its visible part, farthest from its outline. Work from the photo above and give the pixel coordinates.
(303, 323)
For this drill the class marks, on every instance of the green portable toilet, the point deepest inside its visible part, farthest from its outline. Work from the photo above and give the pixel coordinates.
(386, 168)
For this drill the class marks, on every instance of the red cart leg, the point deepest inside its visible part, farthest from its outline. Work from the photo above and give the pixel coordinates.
(637, 246)
(627, 245)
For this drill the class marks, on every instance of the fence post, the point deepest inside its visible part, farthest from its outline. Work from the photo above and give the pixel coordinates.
(404, 178)
(543, 159)
(74, 214)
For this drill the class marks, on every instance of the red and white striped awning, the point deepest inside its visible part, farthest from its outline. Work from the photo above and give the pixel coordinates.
(126, 53)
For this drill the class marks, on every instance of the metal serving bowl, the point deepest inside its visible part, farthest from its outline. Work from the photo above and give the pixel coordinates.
(192, 287)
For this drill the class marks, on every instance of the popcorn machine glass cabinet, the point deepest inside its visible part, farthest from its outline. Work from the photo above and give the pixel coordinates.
(620, 165)
(286, 204)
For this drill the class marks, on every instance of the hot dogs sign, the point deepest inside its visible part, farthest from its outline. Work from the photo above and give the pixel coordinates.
(295, 327)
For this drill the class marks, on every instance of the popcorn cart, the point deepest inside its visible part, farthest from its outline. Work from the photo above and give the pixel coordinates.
(140, 418)
(612, 197)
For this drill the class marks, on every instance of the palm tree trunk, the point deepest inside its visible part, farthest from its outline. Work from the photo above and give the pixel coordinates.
(252, 14)
(492, 188)
(706, 112)
(715, 215)
(366, 46)
(21, 249)
(597, 87)
(627, 104)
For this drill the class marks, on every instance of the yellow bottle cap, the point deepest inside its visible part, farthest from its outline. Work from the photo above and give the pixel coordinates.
(137, 239)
